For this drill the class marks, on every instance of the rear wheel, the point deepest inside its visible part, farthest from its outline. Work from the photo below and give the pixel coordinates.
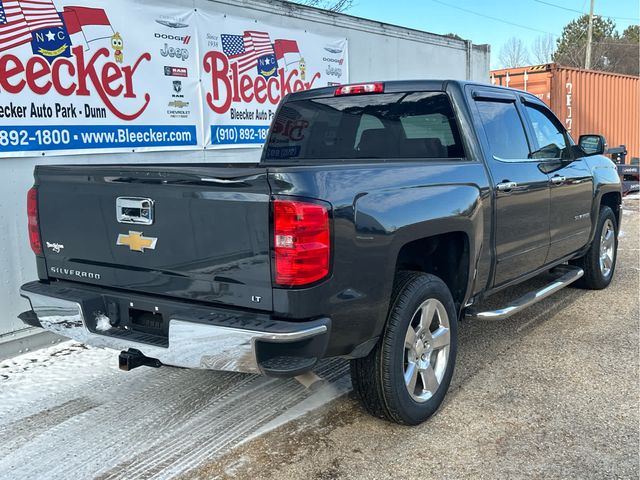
(599, 263)
(406, 376)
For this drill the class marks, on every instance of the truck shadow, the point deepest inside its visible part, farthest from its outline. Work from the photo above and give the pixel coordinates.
(481, 342)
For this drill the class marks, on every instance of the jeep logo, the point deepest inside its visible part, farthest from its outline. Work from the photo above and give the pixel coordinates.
(172, 52)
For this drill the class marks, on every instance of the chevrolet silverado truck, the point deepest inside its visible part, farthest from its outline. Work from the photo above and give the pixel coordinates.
(378, 217)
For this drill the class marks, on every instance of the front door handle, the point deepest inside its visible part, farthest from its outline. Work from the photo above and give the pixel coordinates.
(506, 186)
(557, 180)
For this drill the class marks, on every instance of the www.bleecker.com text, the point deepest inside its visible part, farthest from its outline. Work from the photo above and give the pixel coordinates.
(57, 110)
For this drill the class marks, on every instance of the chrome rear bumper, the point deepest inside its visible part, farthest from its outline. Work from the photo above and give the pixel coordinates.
(190, 344)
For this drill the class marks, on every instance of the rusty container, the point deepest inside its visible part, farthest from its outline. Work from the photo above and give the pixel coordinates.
(586, 101)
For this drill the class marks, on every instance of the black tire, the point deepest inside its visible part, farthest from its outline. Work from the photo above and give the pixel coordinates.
(594, 277)
(379, 378)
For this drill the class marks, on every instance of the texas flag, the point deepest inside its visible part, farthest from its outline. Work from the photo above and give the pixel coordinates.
(287, 51)
(86, 24)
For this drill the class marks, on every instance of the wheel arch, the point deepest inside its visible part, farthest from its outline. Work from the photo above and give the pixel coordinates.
(445, 255)
(613, 200)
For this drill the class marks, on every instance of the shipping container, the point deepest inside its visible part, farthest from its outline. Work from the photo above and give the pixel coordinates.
(586, 101)
(377, 51)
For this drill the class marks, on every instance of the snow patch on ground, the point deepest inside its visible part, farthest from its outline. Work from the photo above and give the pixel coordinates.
(323, 395)
(68, 412)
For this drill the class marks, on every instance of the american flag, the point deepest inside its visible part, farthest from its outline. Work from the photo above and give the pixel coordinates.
(18, 18)
(247, 48)
(14, 30)
(40, 14)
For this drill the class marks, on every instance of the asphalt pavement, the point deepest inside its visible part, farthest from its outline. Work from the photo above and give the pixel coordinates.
(550, 393)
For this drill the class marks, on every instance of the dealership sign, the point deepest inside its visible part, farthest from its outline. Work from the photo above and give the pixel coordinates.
(121, 76)
(248, 67)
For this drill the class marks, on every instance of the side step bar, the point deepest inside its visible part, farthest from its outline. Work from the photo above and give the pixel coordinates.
(568, 275)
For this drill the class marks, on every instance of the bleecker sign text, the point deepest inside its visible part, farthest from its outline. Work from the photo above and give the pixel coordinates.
(228, 85)
(74, 76)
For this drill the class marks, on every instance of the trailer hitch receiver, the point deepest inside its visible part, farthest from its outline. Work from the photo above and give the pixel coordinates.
(133, 358)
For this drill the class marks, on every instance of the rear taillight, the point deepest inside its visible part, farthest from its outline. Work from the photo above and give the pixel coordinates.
(360, 89)
(301, 242)
(32, 215)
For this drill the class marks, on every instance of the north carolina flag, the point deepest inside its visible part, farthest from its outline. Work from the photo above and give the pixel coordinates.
(287, 50)
(86, 24)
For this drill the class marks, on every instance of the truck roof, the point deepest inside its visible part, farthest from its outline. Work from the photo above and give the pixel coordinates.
(392, 86)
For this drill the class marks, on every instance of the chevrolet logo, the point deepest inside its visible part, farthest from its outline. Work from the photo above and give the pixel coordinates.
(136, 241)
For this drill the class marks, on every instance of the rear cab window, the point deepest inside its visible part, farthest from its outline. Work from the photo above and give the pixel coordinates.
(369, 126)
(504, 129)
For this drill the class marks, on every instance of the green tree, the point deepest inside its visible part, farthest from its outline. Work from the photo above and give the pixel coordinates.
(632, 34)
(572, 44)
(623, 53)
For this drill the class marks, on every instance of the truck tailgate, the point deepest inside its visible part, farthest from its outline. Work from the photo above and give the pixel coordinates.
(199, 232)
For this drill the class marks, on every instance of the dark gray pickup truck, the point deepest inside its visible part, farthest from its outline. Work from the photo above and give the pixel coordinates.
(379, 216)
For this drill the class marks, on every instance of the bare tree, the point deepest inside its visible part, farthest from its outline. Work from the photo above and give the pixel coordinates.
(331, 5)
(542, 49)
(513, 54)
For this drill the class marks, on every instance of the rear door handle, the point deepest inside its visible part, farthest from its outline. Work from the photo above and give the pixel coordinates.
(506, 186)
(557, 180)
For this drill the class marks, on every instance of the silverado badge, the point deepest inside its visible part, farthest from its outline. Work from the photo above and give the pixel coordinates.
(136, 241)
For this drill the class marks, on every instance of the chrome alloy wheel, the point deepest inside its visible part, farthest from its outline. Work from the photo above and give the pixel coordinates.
(426, 350)
(607, 248)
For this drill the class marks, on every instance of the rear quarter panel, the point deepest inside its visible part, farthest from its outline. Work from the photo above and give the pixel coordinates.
(377, 209)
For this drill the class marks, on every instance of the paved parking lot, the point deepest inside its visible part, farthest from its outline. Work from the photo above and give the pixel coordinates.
(552, 392)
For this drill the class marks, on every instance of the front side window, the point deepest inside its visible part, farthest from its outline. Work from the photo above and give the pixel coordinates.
(552, 143)
(504, 130)
(387, 126)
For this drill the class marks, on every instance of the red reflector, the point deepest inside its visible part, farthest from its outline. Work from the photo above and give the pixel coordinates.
(360, 88)
(301, 242)
(32, 216)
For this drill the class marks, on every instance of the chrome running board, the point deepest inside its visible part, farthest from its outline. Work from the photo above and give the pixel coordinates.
(568, 275)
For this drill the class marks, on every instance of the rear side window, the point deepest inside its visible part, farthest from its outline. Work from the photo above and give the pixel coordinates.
(504, 130)
(389, 126)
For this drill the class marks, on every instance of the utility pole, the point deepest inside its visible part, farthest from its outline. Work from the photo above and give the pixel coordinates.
(587, 60)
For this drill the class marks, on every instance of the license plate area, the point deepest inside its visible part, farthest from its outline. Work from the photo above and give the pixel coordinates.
(151, 322)
(136, 320)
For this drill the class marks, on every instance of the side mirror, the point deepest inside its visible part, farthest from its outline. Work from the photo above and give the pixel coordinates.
(592, 144)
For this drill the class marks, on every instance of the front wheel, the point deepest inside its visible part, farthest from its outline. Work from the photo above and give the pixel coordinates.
(406, 376)
(599, 263)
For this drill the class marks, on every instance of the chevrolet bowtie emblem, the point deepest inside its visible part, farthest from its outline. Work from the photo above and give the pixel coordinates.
(136, 241)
